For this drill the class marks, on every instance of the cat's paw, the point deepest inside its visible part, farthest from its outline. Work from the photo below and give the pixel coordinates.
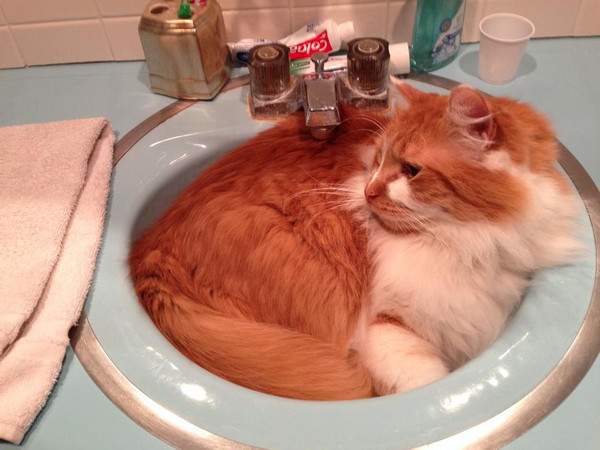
(422, 370)
(399, 360)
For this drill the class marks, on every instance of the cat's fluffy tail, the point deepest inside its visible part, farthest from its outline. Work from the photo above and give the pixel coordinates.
(260, 356)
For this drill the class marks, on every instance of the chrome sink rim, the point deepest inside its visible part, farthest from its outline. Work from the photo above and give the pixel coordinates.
(492, 433)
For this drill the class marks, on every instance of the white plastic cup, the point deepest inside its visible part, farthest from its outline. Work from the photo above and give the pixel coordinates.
(504, 37)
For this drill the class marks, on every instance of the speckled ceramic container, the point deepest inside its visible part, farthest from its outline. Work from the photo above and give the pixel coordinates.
(186, 58)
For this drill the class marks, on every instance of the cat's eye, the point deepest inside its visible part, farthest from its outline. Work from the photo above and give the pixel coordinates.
(410, 170)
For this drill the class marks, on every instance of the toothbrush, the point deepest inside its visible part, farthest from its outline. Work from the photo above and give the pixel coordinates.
(185, 10)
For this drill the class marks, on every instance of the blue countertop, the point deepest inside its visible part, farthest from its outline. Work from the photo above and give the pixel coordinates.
(558, 76)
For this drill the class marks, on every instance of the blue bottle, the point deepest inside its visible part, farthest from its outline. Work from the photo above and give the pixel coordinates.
(436, 33)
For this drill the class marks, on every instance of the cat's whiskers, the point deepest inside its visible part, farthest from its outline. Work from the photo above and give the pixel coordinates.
(436, 237)
(323, 191)
(332, 190)
(311, 176)
(331, 205)
(368, 119)
(380, 128)
(356, 130)
(323, 184)
(334, 187)
(421, 222)
(344, 204)
(424, 223)
(320, 213)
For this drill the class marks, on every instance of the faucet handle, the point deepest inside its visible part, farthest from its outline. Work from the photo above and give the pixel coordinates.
(368, 64)
(269, 70)
(319, 59)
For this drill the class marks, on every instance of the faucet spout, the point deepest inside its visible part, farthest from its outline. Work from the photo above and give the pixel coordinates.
(321, 109)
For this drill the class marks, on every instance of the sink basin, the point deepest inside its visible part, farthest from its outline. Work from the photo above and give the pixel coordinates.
(153, 172)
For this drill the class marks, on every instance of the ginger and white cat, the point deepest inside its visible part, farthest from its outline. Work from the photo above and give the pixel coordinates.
(477, 212)
(369, 264)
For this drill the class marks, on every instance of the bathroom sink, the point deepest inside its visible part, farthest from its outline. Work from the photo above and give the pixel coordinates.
(153, 172)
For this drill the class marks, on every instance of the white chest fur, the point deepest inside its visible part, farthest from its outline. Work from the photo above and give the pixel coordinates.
(457, 302)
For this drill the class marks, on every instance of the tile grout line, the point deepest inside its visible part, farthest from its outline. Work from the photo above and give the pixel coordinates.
(579, 8)
(387, 21)
(101, 18)
(291, 26)
(13, 40)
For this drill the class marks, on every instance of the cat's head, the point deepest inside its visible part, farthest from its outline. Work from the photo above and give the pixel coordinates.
(459, 157)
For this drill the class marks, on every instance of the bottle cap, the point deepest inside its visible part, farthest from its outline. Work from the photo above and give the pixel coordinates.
(399, 58)
(346, 31)
(269, 69)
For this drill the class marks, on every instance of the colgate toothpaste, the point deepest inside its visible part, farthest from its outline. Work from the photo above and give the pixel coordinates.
(319, 44)
(313, 38)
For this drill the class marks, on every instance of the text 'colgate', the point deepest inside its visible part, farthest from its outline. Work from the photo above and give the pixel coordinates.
(319, 43)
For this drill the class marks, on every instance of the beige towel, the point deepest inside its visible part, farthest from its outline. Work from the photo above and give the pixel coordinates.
(54, 181)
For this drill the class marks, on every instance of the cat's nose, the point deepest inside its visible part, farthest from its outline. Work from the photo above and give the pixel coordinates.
(373, 190)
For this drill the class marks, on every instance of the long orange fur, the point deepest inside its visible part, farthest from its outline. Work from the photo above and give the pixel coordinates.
(256, 280)
(258, 277)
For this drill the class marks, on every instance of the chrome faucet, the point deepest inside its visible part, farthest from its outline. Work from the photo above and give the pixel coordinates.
(321, 111)
(273, 92)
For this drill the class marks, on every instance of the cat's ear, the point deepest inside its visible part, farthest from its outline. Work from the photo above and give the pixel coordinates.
(401, 94)
(470, 111)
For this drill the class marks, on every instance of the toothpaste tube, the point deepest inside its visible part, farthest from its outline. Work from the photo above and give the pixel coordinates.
(240, 50)
(337, 61)
(324, 37)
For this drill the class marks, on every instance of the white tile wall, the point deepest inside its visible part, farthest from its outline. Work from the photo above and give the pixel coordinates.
(9, 55)
(371, 17)
(588, 18)
(111, 8)
(122, 33)
(297, 3)
(253, 4)
(57, 31)
(400, 20)
(474, 12)
(20, 11)
(550, 17)
(62, 42)
(246, 23)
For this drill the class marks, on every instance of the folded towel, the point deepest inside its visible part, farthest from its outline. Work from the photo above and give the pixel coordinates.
(54, 181)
